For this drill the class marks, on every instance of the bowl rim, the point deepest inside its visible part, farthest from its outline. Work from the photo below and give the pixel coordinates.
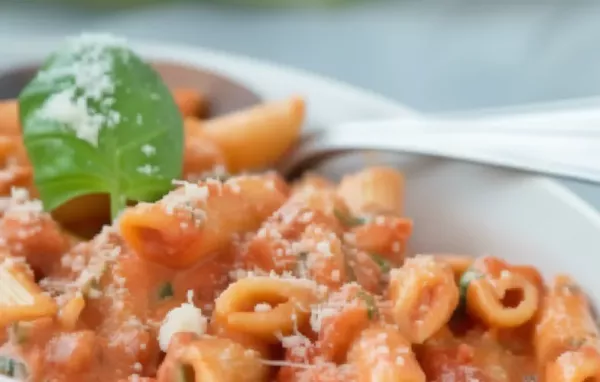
(187, 54)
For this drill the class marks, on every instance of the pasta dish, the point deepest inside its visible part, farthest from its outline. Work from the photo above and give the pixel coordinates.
(238, 275)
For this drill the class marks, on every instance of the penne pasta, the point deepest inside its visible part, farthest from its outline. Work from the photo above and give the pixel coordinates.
(564, 323)
(498, 296)
(285, 306)
(381, 354)
(424, 296)
(256, 137)
(385, 236)
(312, 182)
(21, 299)
(211, 359)
(340, 319)
(197, 220)
(201, 154)
(581, 365)
(374, 191)
(325, 261)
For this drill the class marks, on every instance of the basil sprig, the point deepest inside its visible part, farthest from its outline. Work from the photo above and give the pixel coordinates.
(98, 119)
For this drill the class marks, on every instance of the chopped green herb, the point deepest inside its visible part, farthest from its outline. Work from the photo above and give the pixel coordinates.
(12, 368)
(165, 291)
(347, 219)
(384, 264)
(465, 280)
(98, 119)
(369, 300)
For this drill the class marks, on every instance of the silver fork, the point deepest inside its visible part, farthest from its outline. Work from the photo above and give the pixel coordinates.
(560, 143)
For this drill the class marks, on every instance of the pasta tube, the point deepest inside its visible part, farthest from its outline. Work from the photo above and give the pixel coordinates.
(385, 236)
(374, 191)
(257, 137)
(201, 154)
(21, 299)
(575, 366)
(212, 359)
(284, 306)
(381, 354)
(564, 324)
(424, 296)
(197, 220)
(497, 295)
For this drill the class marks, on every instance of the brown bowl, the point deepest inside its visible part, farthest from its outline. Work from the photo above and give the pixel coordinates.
(223, 94)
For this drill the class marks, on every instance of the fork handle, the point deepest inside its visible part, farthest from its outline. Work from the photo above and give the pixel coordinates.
(574, 156)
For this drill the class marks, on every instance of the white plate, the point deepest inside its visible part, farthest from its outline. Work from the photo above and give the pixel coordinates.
(457, 207)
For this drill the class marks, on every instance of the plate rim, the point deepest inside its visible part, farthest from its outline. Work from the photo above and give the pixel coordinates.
(561, 192)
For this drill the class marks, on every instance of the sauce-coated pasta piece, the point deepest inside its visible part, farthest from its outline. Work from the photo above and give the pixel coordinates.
(211, 359)
(21, 299)
(383, 235)
(197, 220)
(256, 137)
(382, 354)
(499, 296)
(325, 260)
(340, 319)
(374, 191)
(565, 322)
(201, 154)
(423, 295)
(265, 307)
(581, 365)
(29, 232)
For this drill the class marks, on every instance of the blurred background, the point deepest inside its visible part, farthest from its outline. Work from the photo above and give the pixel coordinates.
(432, 55)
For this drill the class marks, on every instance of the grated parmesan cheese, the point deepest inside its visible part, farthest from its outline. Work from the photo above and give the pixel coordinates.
(91, 83)
(148, 169)
(263, 307)
(148, 150)
(185, 318)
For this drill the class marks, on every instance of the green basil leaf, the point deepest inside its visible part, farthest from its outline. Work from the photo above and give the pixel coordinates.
(98, 119)
(384, 264)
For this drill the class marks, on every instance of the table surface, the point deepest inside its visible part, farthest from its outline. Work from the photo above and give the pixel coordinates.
(433, 55)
